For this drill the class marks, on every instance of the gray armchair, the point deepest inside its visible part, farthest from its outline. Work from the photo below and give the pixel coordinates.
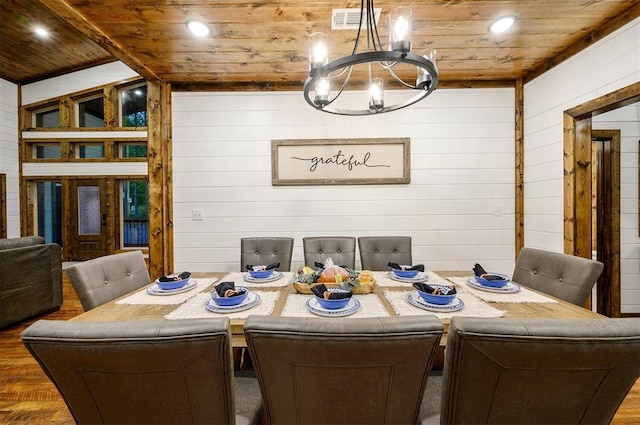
(563, 276)
(266, 251)
(30, 278)
(341, 249)
(538, 371)
(377, 251)
(106, 278)
(145, 372)
(356, 371)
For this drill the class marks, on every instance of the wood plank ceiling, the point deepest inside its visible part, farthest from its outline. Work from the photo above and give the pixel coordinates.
(263, 44)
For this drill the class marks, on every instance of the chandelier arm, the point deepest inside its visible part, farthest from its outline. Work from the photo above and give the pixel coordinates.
(374, 33)
(398, 79)
(357, 42)
(344, 84)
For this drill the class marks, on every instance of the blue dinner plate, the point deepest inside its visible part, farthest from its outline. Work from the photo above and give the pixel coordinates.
(416, 300)
(157, 290)
(509, 288)
(276, 275)
(314, 307)
(420, 277)
(251, 300)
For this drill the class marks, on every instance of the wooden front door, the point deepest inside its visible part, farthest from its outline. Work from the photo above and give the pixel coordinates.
(88, 219)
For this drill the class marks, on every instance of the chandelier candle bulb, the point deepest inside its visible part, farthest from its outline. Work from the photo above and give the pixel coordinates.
(318, 51)
(400, 29)
(424, 79)
(322, 91)
(376, 91)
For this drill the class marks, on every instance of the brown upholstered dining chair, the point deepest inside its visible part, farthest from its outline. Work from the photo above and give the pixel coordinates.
(354, 371)
(563, 276)
(341, 249)
(145, 372)
(538, 371)
(106, 278)
(377, 251)
(265, 250)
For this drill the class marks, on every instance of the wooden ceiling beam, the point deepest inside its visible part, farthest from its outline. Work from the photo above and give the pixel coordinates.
(74, 18)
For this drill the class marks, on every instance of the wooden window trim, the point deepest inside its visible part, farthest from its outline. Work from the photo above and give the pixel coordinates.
(68, 108)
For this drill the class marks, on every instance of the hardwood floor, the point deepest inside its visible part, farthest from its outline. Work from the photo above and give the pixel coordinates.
(28, 397)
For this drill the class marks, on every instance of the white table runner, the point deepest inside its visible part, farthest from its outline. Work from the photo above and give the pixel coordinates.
(522, 296)
(370, 307)
(473, 307)
(195, 307)
(143, 297)
(238, 279)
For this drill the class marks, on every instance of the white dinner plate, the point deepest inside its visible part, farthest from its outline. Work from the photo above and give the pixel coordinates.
(416, 300)
(420, 277)
(251, 300)
(509, 288)
(314, 307)
(156, 290)
(276, 275)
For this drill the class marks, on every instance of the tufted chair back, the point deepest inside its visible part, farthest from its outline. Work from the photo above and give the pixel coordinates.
(106, 278)
(341, 249)
(377, 251)
(563, 276)
(266, 251)
(356, 371)
(538, 371)
(144, 372)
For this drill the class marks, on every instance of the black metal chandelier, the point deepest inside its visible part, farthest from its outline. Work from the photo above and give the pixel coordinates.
(322, 73)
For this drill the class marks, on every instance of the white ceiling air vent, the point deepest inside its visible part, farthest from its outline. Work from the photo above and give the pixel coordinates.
(349, 19)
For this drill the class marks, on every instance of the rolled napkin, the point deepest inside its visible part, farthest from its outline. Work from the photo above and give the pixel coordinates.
(435, 290)
(479, 271)
(253, 268)
(228, 289)
(321, 291)
(174, 277)
(419, 267)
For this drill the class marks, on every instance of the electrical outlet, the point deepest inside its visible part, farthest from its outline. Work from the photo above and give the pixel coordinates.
(197, 215)
(497, 210)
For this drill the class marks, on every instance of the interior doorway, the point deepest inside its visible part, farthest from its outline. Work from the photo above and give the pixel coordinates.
(605, 234)
(578, 178)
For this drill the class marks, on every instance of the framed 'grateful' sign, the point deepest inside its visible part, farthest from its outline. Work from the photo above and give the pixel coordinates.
(340, 161)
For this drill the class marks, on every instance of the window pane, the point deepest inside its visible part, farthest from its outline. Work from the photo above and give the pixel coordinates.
(49, 211)
(91, 113)
(89, 210)
(47, 151)
(135, 213)
(49, 118)
(90, 151)
(134, 107)
(138, 150)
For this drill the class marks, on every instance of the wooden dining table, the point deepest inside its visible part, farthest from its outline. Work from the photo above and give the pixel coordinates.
(116, 310)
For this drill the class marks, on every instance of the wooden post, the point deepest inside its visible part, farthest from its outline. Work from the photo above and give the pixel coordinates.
(519, 165)
(160, 179)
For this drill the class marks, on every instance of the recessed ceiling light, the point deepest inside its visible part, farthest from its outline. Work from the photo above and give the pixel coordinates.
(502, 24)
(198, 28)
(41, 32)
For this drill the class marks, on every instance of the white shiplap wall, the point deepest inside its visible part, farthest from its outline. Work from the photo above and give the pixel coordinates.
(627, 120)
(9, 153)
(76, 81)
(608, 65)
(462, 170)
